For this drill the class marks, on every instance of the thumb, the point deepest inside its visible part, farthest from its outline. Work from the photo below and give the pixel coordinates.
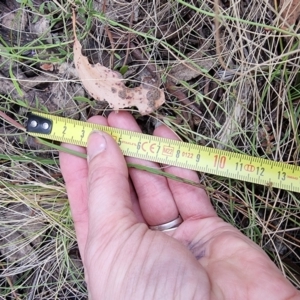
(109, 203)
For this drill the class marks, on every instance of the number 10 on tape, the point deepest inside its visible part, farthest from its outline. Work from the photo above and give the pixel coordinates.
(175, 153)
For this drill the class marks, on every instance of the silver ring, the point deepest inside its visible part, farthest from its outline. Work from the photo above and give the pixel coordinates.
(167, 226)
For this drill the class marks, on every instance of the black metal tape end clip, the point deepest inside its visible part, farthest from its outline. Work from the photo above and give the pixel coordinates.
(38, 124)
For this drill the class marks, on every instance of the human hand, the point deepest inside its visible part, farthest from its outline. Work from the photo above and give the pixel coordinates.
(204, 258)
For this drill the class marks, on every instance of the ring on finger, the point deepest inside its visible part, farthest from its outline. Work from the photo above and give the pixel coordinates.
(167, 226)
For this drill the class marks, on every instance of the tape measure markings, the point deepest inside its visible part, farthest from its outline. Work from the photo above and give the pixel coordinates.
(177, 153)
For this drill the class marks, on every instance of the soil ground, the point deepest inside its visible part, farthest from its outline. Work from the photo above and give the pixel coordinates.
(229, 71)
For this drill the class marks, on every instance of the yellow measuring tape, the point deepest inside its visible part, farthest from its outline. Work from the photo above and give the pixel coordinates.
(170, 152)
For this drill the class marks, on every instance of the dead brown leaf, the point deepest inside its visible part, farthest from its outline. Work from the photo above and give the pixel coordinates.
(104, 84)
(290, 10)
(186, 70)
(47, 67)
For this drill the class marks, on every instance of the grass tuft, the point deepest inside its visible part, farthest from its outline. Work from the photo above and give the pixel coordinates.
(230, 70)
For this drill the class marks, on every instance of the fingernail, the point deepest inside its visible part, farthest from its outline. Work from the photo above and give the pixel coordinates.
(96, 144)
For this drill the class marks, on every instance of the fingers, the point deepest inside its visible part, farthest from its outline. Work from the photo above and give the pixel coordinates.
(110, 207)
(192, 202)
(108, 181)
(75, 173)
(156, 200)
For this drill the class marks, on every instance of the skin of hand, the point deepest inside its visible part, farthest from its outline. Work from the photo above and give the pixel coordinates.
(204, 258)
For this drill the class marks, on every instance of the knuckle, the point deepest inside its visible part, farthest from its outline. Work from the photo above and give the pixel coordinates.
(104, 176)
(100, 174)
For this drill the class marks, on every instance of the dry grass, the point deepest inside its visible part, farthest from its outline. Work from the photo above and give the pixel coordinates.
(236, 73)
